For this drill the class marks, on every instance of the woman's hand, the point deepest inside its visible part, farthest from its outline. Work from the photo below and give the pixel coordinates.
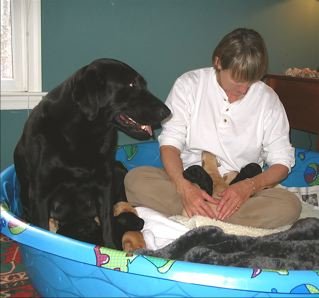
(232, 198)
(238, 193)
(195, 200)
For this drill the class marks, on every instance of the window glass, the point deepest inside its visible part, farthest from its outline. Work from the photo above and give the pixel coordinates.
(20, 53)
(6, 40)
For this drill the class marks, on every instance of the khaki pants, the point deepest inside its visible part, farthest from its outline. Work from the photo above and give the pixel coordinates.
(270, 208)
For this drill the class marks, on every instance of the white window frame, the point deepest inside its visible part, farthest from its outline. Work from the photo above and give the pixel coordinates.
(25, 91)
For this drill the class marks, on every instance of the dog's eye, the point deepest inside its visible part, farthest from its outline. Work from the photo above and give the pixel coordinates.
(132, 84)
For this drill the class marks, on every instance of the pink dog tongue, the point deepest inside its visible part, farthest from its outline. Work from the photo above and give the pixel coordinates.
(129, 121)
(148, 129)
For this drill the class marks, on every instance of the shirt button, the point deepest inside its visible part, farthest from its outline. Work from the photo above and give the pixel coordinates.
(227, 110)
(225, 120)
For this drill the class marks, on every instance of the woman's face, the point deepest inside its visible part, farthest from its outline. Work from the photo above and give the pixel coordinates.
(234, 90)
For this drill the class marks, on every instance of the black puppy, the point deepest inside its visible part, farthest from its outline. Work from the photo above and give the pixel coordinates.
(197, 174)
(65, 158)
(73, 212)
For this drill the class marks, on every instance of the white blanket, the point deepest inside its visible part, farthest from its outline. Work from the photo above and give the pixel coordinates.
(160, 230)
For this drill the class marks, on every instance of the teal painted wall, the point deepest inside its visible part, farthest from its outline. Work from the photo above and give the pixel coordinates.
(11, 124)
(162, 39)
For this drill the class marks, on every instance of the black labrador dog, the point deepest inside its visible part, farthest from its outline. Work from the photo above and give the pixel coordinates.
(65, 158)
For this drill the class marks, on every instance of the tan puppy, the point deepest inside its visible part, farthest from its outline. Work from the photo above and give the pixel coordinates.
(131, 240)
(210, 165)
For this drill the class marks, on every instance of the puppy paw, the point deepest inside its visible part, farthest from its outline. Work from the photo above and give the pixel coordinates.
(133, 240)
(53, 225)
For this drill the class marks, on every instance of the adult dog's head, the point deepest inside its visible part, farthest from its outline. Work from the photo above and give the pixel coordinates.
(111, 90)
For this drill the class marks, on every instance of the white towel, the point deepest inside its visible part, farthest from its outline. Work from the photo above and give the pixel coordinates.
(159, 230)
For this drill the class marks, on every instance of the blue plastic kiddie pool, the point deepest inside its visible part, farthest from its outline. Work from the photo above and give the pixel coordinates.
(61, 267)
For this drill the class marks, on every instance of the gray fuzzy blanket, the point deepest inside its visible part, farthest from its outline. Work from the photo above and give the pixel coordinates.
(295, 248)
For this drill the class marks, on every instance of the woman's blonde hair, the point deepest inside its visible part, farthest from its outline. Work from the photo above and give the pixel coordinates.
(243, 52)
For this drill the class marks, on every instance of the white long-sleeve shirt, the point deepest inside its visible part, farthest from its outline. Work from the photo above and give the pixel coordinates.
(252, 129)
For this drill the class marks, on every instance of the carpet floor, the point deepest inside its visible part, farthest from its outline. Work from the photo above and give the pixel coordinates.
(14, 280)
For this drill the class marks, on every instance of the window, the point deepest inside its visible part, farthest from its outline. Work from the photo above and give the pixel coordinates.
(20, 53)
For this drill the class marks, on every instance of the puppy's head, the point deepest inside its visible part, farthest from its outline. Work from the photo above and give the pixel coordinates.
(73, 209)
(110, 90)
(196, 174)
(86, 230)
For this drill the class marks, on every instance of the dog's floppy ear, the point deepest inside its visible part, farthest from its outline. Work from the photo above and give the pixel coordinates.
(87, 88)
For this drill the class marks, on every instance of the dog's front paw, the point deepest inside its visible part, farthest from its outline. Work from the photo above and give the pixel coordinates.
(53, 225)
(133, 240)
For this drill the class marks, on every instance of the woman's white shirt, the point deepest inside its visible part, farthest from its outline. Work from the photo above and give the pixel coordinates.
(252, 129)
